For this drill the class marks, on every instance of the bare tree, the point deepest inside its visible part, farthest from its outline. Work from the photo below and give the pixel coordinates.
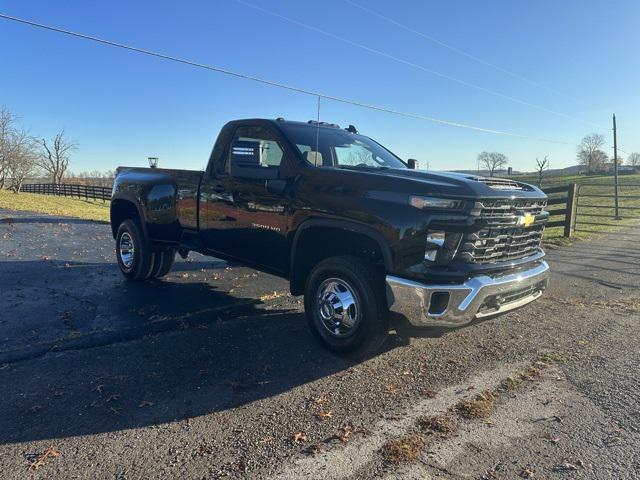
(22, 163)
(633, 159)
(541, 166)
(7, 144)
(493, 161)
(94, 177)
(590, 152)
(54, 157)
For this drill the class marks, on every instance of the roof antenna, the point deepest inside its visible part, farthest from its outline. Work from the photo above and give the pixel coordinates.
(315, 156)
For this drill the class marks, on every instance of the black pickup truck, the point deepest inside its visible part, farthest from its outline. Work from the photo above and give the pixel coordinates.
(354, 228)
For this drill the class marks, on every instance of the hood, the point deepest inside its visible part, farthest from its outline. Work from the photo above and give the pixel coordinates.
(454, 184)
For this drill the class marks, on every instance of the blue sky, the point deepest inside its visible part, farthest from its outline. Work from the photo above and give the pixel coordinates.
(122, 107)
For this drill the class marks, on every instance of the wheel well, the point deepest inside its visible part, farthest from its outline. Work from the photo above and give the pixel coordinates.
(314, 244)
(122, 210)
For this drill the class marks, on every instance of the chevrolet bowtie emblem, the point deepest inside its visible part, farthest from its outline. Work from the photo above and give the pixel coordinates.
(526, 220)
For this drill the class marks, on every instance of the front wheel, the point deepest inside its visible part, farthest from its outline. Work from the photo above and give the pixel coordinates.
(345, 307)
(135, 258)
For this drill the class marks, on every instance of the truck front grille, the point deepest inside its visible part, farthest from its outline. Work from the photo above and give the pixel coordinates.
(507, 211)
(502, 239)
(499, 244)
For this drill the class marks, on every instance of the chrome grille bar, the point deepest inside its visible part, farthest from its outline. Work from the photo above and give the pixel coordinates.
(502, 239)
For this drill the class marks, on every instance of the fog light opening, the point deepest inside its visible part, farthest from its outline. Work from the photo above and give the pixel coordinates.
(439, 303)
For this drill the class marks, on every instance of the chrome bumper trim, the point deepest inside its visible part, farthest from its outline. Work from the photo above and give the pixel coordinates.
(412, 299)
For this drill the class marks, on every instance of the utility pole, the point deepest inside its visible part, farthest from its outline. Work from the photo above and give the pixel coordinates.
(615, 166)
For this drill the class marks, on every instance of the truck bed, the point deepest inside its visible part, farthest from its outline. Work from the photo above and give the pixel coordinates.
(171, 197)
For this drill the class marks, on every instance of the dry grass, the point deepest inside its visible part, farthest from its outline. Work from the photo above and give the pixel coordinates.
(551, 358)
(404, 449)
(623, 305)
(441, 424)
(53, 205)
(530, 374)
(479, 406)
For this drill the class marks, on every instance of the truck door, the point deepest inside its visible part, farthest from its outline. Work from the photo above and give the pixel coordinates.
(247, 209)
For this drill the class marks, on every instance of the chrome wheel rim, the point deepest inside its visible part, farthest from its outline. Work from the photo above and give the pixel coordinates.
(338, 307)
(127, 250)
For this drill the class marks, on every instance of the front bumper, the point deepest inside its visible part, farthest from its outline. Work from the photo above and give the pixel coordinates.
(455, 305)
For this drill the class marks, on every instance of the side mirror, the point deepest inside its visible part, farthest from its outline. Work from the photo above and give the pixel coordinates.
(412, 163)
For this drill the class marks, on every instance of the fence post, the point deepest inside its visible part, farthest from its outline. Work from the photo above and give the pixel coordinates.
(570, 216)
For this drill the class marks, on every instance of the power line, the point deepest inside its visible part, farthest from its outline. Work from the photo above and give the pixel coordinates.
(452, 48)
(274, 83)
(411, 64)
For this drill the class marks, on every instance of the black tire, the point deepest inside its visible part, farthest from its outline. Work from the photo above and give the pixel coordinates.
(358, 280)
(163, 262)
(138, 267)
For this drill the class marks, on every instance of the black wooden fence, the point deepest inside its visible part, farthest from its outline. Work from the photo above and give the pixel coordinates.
(562, 207)
(69, 190)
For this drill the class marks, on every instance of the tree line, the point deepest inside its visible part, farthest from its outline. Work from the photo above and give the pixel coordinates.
(23, 155)
(590, 154)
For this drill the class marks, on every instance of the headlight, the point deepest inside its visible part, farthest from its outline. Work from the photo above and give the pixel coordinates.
(435, 203)
(441, 247)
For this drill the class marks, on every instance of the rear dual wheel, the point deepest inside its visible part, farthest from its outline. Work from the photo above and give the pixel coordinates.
(136, 260)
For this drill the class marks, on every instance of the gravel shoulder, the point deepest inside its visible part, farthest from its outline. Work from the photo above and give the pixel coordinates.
(212, 373)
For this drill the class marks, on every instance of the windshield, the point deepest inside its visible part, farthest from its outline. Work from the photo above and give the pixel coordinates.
(339, 148)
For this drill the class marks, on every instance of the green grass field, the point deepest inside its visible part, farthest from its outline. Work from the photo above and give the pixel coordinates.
(53, 205)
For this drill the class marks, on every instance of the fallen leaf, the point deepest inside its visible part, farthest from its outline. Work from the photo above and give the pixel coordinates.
(321, 399)
(527, 472)
(273, 296)
(550, 438)
(586, 466)
(299, 437)
(40, 461)
(344, 433)
(391, 389)
(565, 467)
(322, 414)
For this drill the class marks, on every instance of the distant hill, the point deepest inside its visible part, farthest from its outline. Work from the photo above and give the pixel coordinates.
(572, 170)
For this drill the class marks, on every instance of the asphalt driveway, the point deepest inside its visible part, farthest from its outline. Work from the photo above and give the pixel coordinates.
(211, 373)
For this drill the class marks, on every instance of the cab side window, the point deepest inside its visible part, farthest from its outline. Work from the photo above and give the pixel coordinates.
(254, 146)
